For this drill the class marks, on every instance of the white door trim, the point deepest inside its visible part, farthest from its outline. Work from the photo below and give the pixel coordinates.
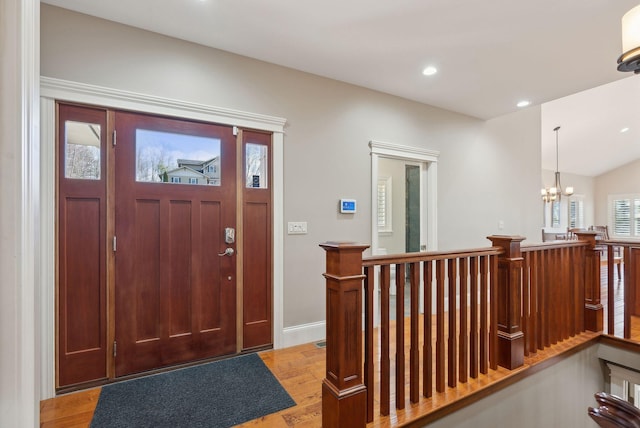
(55, 89)
(428, 159)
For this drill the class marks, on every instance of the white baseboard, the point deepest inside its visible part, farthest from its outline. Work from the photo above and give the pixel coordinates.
(304, 333)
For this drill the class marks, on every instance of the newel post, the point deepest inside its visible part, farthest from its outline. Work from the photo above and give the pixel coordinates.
(509, 286)
(344, 395)
(593, 309)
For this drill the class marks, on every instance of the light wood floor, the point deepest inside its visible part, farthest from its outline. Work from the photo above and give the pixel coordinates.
(301, 369)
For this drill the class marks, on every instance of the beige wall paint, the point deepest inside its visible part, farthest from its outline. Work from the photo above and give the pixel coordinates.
(555, 397)
(487, 171)
(623, 180)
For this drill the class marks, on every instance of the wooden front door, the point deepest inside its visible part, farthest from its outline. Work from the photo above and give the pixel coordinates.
(152, 271)
(175, 196)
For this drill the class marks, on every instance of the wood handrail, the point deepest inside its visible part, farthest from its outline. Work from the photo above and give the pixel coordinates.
(391, 259)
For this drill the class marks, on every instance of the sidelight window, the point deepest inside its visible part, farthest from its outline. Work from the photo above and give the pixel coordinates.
(82, 150)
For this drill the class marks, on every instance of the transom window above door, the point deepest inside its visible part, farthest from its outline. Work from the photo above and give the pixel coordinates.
(167, 157)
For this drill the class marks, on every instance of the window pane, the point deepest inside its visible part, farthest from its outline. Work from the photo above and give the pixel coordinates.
(82, 150)
(256, 166)
(165, 157)
(622, 217)
(636, 216)
(555, 214)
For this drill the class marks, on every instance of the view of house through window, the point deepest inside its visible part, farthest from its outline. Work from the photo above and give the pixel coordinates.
(625, 215)
(165, 157)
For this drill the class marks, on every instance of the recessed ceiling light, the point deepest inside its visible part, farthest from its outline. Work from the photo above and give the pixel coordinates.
(623, 130)
(429, 71)
(523, 103)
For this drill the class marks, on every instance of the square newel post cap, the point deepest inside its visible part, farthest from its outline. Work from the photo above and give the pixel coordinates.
(510, 244)
(587, 235)
(344, 258)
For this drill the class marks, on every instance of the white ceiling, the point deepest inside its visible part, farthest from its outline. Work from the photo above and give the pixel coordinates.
(490, 54)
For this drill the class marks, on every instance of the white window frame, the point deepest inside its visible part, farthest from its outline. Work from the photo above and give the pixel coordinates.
(634, 222)
(193, 180)
(176, 180)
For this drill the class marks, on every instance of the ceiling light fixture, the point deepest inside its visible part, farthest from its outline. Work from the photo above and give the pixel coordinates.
(523, 103)
(630, 59)
(623, 130)
(429, 71)
(554, 193)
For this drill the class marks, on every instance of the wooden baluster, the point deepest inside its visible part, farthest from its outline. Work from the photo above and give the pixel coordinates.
(463, 353)
(452, 345)
(580, 289)
(526, 303)
(631, 306)
(575, 292)
(593, 306)
(484, 315)
(611, 319)
(427, 353)
(627, 287)
(509, 304)
(545, 307)
(343, 391)
(533, 303)
(414, 352)
(473, 325)
(400, 279)
(440, 339)
(553, 297)
(560, 294)
(369, 363)
(385, 362)
(494, 357)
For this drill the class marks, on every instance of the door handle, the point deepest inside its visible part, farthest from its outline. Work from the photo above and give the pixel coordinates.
(227, 252)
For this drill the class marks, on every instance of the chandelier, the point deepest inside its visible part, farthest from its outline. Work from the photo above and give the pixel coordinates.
(630, 59)
(554, 193)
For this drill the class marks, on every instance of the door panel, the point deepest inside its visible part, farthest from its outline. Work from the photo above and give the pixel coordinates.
(257, 267)
(81, 223)
(412, 209)
(175, 297)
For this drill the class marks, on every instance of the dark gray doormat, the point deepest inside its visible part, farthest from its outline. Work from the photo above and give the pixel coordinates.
(219, 394)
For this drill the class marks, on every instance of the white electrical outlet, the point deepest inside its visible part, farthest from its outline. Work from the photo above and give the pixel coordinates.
(297, 227)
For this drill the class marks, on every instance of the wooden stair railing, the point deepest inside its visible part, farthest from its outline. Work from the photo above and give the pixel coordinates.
(630, 250)
(518, 299)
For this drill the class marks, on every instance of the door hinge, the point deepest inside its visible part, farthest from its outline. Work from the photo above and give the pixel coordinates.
(115, 348)
(115, 138)
(115, 245)
(235, 131)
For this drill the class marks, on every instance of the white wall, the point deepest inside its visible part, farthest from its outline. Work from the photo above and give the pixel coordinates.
(622, 180)
(555, 397)
(487, 171)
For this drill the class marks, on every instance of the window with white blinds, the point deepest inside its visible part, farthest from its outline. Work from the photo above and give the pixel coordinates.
(576, 212)
(625, 215)
(384, 204)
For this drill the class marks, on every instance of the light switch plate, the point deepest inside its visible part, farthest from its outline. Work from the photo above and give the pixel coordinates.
(297, 227)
